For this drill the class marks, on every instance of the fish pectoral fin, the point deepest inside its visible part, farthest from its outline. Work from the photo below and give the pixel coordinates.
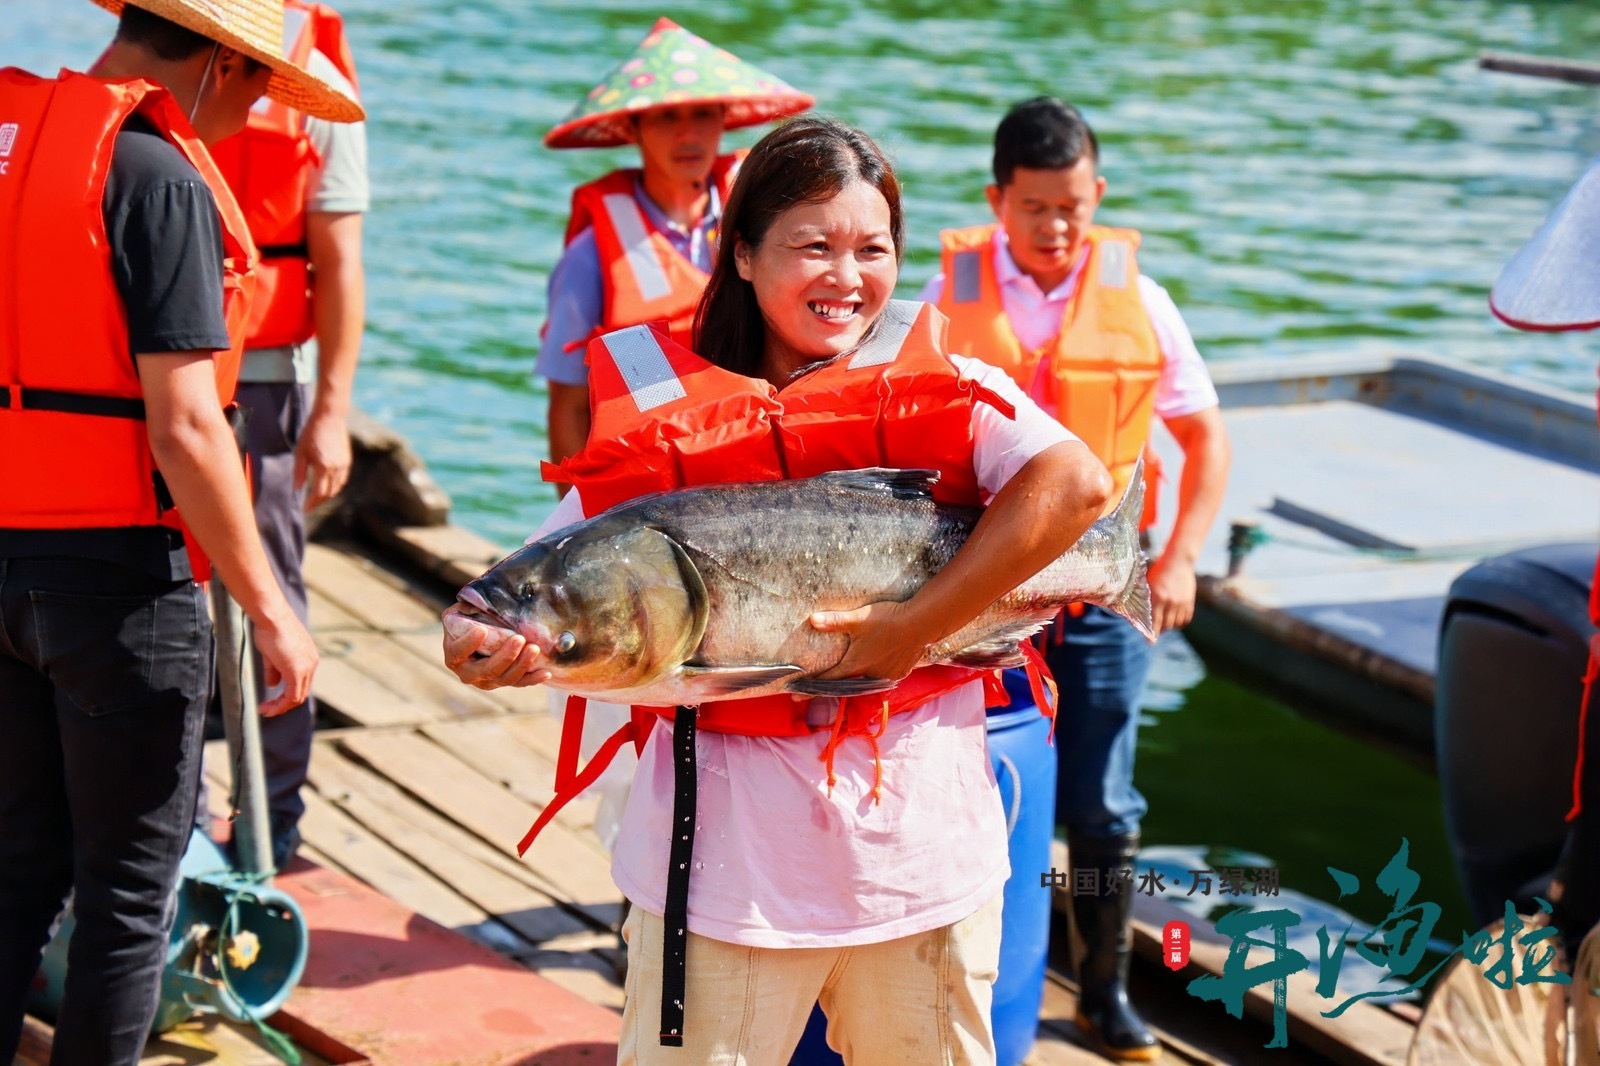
(713, 681)
(989, 655)
(841, 686)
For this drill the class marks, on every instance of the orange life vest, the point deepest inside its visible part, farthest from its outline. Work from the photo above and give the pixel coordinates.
(74, 449)
(666, 419)
(269, 166)
(1102, 367)
(645, 279)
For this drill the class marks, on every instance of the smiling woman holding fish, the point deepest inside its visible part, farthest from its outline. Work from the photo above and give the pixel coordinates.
(862, 824)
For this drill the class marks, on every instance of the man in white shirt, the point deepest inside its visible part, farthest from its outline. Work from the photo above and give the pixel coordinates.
(1059, 303)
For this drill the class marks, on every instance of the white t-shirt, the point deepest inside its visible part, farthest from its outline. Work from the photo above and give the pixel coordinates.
(782, 861)
(1184, 386)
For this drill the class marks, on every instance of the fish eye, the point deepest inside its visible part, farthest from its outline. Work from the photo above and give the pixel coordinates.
(565, 643)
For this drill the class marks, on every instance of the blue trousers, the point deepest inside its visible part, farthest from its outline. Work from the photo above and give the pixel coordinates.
(104, 679)
(1100, 665)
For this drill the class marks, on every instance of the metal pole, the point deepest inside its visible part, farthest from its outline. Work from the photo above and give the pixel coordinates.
(252, 834)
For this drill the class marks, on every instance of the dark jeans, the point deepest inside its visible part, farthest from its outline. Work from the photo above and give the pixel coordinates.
(104, 675)
(1100, 666)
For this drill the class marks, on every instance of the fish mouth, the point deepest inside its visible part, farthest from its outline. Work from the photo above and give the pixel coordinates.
(476, 608)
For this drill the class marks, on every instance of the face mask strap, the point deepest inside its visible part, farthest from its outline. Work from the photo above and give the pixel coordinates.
(205, 75)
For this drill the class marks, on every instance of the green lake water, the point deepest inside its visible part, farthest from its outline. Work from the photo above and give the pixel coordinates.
(1311, 176)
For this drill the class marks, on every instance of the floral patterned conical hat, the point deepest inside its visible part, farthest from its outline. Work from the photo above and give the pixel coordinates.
(673, 66)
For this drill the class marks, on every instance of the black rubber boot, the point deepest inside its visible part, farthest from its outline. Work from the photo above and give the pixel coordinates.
(1104, 1012)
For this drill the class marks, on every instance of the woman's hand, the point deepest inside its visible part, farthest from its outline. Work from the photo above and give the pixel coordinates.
(885, 641)
(513, 663)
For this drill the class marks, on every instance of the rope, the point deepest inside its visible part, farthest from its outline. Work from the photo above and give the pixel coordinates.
(1246, 537)
(278, 1043)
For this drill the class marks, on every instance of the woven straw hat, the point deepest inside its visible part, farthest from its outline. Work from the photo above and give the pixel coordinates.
(672, 66)
(255, 27)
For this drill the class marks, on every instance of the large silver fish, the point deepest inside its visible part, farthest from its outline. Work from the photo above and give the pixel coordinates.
(705, 593)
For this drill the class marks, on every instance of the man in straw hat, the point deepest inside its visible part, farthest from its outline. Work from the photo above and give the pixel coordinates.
(640, 241)
(301, 182)
(126, 263)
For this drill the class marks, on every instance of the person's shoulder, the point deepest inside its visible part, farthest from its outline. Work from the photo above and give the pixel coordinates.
(1152, 292)
(142, 160)
(321, 66)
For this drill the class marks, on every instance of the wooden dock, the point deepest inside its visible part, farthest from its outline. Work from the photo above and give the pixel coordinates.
(420, 788)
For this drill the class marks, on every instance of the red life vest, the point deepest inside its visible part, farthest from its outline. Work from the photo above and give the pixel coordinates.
(666, 419)
(1103, 365)
(74, 448)
(645, 278)
(269, 166)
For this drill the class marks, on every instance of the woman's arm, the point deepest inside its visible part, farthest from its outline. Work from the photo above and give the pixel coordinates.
(1035, 517)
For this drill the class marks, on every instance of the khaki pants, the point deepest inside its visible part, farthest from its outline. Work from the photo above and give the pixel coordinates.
(921, 999)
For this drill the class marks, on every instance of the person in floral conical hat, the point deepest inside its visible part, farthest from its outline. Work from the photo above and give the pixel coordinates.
(640, 241)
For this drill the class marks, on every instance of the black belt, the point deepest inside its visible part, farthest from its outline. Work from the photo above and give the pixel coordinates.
(680, 856)
(86, 403)
(285, 251)
(74, 403)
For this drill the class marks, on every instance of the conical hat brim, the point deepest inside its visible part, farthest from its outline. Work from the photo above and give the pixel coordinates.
(672, 67)
(616, 127)
(1553, 282)
(237, 29)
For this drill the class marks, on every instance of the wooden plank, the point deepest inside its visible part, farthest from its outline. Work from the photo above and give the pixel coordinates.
(452, 554)
(424, 680)
(408, 660)
(356, 696)
(344, 775)
(539, 730)
(411, 830)
(576, 873)
(328, 616)
(369, 859)
(365, 591)
(584, 973)
(496, 753)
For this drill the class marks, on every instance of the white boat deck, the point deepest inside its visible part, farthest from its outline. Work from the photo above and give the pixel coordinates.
(1376, 484)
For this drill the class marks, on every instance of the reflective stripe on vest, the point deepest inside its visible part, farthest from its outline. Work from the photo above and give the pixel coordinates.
(649, 276)
(644, 367)
(644, 278)
(74, 452)
(888, 335)
(1101, 369)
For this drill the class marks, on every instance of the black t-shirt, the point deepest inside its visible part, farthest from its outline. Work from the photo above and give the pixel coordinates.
(166, 254)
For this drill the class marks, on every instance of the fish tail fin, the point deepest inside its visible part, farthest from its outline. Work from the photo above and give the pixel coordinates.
(1133, 601)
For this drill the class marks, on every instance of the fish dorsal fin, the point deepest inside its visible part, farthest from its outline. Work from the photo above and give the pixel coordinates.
(901, 484)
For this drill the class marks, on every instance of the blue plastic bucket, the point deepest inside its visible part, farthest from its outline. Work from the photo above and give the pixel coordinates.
(1025, 765)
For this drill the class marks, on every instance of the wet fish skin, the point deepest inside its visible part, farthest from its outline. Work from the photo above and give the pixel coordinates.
(706, 593)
